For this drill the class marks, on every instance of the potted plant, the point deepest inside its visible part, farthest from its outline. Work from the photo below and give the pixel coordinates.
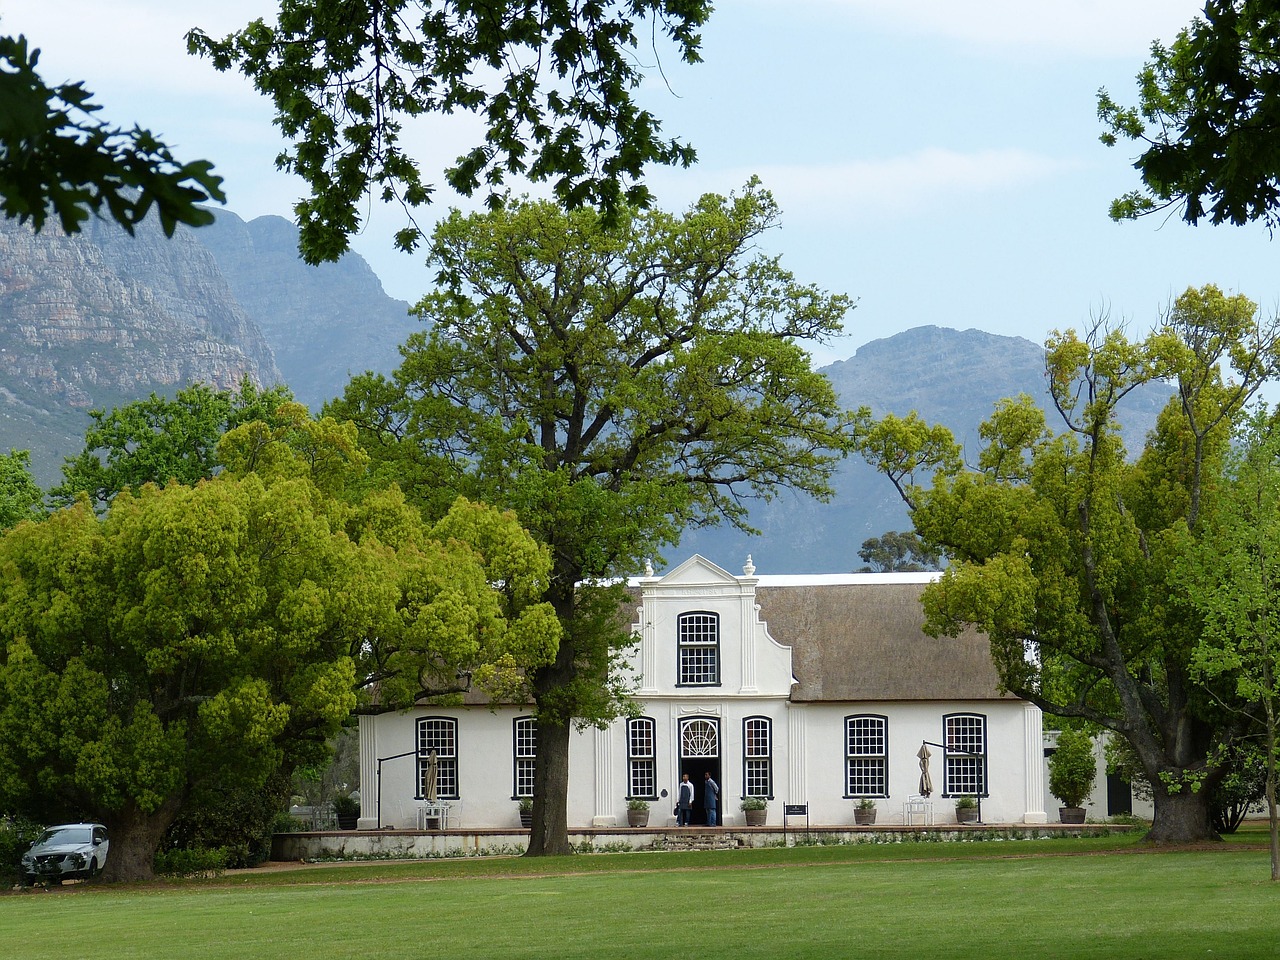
(347, 809)
(755, 810)
(1071, 771)
(637, 813)
(864, 812)
(526, 811)
(966, 809)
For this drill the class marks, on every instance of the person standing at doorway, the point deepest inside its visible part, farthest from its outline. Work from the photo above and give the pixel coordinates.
(684, 805)
(709, 800)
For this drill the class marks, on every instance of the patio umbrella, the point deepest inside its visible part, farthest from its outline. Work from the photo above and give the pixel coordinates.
(926, 782)
(429, 788)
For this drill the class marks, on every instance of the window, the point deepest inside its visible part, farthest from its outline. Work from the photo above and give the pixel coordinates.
(699, 738)
(699, 645)
(642, 775)
(757, 757)
(441, 735)
(866, 756)
(525, 751)
(965, 735)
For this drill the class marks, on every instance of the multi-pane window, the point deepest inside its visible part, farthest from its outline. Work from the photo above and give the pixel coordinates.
(965, 735)
(699, 738)
(642, 775)
(757, 757)
(525, 751)
(439, 734)
(866, 756)
(699, 645)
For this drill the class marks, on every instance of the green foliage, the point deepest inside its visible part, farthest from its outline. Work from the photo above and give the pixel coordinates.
(755, 803)
(552, 84)
(20, 496)
(611, 386)
(1072, 767)
(1207, 106)
(1061, 548)
(17, 833)
(198, 640)
(231, 818)
(966, 802)
(637, 805)
(187, 863)
(345, 805)
(159, 439)
(896, 552)
(56, 157)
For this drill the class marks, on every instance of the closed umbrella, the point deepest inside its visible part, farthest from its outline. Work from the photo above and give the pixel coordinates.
(926, 782)
(430, 790)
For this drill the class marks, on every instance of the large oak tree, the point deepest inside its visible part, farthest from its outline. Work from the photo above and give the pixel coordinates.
(612, 385)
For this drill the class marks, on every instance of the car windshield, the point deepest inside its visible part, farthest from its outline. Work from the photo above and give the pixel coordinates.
(67, 835)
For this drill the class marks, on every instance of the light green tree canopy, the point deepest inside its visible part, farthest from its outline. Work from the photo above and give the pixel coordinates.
(1062, 548)
(611, 386)
(57, 158)
(552, 83)
(1231, 573)
(1208, 105)
(221, 632)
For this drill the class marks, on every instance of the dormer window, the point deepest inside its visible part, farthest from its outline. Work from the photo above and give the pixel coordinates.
(699, 649)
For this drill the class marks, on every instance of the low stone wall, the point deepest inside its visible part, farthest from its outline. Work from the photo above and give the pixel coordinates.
(421, 845)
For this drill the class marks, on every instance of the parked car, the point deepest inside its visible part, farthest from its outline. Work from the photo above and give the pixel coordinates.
(66, 851)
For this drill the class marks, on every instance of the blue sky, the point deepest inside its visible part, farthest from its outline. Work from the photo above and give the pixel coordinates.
(937, 160)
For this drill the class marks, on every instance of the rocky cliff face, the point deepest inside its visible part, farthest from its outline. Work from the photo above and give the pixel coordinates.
(102, 318)
(325, 323)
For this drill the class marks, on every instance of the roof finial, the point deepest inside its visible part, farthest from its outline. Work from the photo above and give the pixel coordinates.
(648, 568)
(750, 568)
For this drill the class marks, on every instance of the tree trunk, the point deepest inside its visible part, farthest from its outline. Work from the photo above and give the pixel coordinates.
(549, 834)
(135, 837)
(1182, 817)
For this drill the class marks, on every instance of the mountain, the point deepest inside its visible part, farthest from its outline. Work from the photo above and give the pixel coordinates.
(96, 320)
(950, 377)
(324, 323)
(102, 318)
(99, 319)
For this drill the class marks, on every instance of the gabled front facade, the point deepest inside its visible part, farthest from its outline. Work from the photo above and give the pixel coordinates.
(811, 692)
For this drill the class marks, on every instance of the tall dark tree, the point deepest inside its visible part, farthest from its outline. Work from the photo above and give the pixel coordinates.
(552, 82)
(612, 386)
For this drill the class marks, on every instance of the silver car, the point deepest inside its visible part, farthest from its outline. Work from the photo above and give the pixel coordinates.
(66, 851)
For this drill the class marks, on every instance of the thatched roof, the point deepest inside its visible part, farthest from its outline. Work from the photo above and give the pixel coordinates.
(863, 639)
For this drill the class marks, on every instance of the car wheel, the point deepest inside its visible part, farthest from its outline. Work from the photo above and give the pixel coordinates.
(93, 868)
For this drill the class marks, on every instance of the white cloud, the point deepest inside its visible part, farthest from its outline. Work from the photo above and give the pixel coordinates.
(907, 184)
(1090, 28)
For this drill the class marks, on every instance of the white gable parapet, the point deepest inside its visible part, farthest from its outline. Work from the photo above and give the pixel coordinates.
(701, 635)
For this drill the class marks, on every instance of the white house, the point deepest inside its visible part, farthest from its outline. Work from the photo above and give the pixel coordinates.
(810, 691)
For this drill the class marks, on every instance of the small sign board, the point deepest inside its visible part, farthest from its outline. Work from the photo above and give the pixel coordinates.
(795, 809)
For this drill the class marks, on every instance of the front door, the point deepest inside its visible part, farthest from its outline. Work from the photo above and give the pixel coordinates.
(700, 755)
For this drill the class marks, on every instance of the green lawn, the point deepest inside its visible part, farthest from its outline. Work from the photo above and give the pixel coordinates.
(1013, 899)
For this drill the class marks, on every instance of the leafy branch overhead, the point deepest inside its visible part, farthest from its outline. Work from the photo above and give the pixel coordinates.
(552, 83)
(57, 157)
(1207, 112)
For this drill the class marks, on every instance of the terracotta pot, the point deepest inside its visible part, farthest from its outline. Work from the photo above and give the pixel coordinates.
(755, 818)
(637, 818)
(1071, 814)
(864, 817)
(966, 814)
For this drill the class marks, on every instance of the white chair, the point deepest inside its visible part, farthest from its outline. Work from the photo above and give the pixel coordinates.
(917, 810)
(429, 811)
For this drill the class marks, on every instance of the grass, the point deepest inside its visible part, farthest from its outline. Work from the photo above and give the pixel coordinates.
(1102, 898)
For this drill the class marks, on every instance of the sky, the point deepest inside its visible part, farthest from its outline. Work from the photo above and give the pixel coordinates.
(938, 160)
